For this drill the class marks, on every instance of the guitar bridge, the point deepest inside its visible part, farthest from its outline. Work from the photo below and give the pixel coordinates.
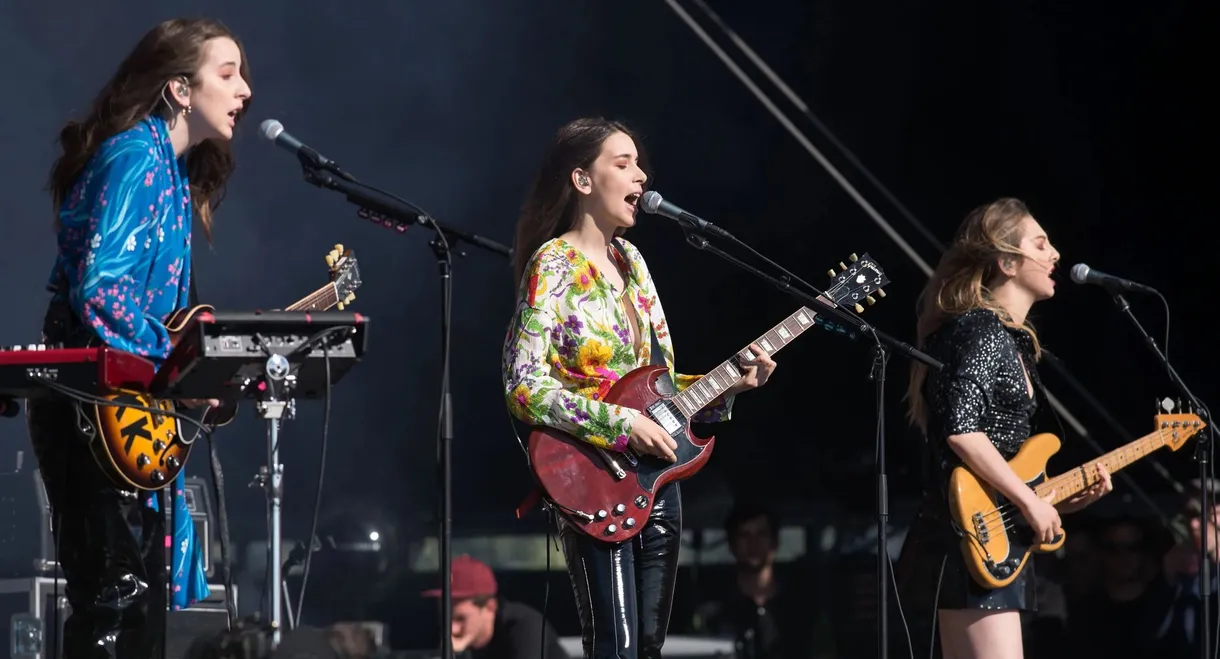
(980, 528)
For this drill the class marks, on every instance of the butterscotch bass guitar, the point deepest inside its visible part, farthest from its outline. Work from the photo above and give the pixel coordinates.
(145, 450)
(996, 540)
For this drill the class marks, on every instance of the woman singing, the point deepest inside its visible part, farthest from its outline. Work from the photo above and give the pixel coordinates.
(978, 411)
(587, 314)
(152, 154)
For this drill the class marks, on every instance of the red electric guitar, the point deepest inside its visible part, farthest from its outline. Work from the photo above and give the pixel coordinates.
(608, 494)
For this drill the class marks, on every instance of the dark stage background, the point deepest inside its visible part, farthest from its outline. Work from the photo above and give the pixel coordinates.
(1092, 113)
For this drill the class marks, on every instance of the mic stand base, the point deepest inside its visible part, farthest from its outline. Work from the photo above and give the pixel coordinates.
(1202, 454)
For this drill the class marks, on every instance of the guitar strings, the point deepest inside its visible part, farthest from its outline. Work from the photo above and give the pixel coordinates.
(1006, 507)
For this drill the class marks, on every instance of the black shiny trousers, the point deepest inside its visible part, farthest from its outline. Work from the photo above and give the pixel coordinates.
(110, 546)
(624, 591)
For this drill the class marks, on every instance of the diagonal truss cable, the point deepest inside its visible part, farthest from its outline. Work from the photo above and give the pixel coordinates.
(881, 222)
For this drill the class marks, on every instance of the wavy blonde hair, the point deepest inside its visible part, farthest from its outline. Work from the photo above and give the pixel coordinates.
(961, 283)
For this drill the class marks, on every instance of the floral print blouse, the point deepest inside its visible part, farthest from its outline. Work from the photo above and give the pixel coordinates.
(570, 342)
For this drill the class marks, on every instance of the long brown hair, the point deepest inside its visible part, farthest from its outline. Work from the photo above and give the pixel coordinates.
(961, 283)
(552, 207)
(174, 49)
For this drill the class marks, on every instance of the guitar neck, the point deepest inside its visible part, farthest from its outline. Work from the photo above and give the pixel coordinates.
(319, 300)
(711, 386)
(1071, 483)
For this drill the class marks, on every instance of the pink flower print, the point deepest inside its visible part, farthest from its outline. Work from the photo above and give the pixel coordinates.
(148, 180)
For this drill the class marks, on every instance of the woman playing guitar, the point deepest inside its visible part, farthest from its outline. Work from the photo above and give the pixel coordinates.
(151, 153)
(978, 411)
(587, 314)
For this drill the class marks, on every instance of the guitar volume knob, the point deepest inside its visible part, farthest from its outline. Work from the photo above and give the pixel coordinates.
(629, 523)
(601, 514)
(610, 530)
(172, 462)
(157, 476)
(142, 461)
(158, 446)
(620, 509)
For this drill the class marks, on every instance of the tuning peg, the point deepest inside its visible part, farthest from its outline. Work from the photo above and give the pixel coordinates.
(339, 248)
(841, 266)
(880, 292)
(853, 258)
(349, 298)
(831, 272)
(339, 306)
(330, 258)
(870, 299)
(859, 309)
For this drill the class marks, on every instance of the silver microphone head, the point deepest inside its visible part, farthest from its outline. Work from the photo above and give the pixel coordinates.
(650, 201)
(270, 129)
(1080, 273)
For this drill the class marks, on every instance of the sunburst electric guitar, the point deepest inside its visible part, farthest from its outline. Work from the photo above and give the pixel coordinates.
(996, 540)
(145, 450)
(608, 495)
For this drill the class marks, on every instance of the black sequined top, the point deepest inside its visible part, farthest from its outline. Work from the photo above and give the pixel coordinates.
(980, 389)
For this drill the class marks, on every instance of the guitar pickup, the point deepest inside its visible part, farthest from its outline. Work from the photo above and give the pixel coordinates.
(665, 417)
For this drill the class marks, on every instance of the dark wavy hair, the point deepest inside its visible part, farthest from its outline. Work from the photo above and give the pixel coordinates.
(552, 205)
(172, 50)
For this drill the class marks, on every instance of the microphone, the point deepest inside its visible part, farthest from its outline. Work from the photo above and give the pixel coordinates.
(1083, 274)
(654, 204)
(273, 130)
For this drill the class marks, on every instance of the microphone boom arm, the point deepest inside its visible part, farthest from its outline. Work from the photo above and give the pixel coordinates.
(849, 320)
(403, 213)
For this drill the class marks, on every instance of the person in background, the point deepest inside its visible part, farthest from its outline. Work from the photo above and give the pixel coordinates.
(488, 626)
(767, 617)
(1178, 592)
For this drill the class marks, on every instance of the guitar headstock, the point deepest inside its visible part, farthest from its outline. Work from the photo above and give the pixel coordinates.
(860, 281)
(1175, 429)
(344, 274)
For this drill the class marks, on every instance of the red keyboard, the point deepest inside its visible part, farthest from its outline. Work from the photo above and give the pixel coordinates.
(91, 370)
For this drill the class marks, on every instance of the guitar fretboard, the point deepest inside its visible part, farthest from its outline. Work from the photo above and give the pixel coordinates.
(711, 386)
(1071, 483)
(319, 300)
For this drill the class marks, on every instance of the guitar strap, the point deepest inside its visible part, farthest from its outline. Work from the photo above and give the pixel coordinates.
(657, 357)
(193, 300)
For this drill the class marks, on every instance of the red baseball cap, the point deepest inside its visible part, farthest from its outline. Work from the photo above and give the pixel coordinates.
(470, 578)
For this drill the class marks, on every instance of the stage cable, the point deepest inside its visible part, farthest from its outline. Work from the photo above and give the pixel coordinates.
(317, 501)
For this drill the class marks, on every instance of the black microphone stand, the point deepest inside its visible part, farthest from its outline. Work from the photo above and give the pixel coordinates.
(1202, 455)
(400, 215)
(877, 374)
